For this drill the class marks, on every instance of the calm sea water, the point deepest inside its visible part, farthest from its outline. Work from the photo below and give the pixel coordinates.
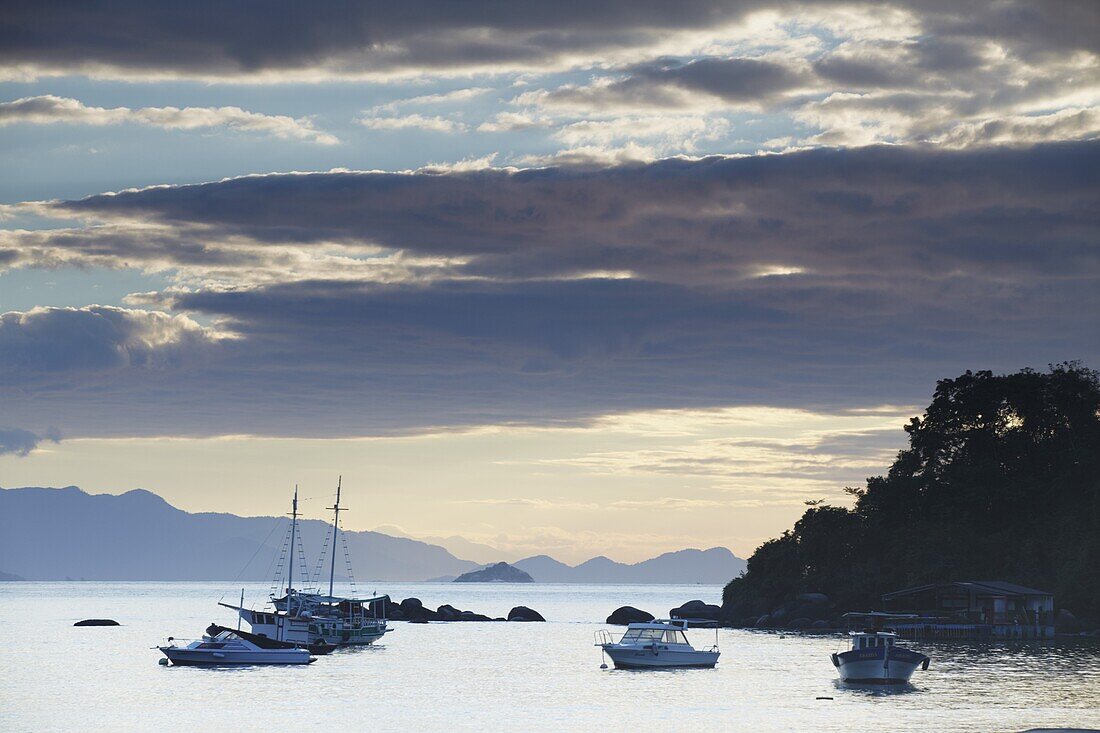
(496, 676)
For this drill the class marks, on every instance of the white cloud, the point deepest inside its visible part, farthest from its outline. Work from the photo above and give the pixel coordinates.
(513, 121)
(413, 122)
(451, 97)
(50, 109)
(1064, 124)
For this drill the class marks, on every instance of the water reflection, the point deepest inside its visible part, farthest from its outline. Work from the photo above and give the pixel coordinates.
(871, 690)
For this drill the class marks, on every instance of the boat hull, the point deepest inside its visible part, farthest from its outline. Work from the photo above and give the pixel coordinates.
(184, 657)
(650, 658)
(874, 666)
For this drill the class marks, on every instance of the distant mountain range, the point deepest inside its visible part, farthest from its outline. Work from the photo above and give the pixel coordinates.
(58, 534)
(54, 534)
(716, 565)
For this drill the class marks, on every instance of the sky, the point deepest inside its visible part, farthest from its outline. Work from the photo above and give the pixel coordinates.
(578, 278)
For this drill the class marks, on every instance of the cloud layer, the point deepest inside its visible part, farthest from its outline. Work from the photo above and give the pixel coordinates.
(407, 301)
(220, 40)
(50, 109)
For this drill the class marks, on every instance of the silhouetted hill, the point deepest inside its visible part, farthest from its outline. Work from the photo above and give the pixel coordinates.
(500, 572)
(1001, 480)
(53, 534)
(715, 565)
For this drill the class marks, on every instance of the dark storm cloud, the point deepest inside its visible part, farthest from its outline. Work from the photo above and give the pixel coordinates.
(19, 442)
(879, 212)
(232, 38)
(226, 39)
(1034, 30)
(336, 358)
(830, 278)
(671, 83)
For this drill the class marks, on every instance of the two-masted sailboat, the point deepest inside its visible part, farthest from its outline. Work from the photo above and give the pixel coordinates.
(314, 618)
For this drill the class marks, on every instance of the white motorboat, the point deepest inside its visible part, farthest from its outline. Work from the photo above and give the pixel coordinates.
(656, 645)
(228, 649)
(875, 657)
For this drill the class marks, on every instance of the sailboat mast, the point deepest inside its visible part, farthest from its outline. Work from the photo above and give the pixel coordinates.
(293, 531)
(335, 528)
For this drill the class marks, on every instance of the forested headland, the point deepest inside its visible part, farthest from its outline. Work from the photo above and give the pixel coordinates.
(1000, 481)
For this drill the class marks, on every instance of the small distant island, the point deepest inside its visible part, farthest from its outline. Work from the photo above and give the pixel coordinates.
(501, 572)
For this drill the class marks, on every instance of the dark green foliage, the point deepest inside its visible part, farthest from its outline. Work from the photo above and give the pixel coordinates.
(1000, 482)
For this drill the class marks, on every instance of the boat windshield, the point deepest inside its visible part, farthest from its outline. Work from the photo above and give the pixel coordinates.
(635, 636)
(866, 642)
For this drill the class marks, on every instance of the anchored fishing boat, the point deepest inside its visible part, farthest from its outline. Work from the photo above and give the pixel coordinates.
(875, 657)
(311, 618)
(657, 644)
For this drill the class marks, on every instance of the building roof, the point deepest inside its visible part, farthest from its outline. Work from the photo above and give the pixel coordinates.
(998, 587)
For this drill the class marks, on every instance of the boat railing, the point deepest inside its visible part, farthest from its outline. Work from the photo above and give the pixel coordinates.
(603, 636)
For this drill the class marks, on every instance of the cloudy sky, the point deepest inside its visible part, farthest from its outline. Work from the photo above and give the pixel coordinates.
(602, 277)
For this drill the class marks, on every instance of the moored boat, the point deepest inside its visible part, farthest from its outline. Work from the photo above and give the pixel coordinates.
(315, 618)
(658, 644)
(875, 657)
(227, 648)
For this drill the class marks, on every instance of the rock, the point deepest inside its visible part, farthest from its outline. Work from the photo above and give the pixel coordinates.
(502, 572)
(523, 613)
(447, 613)
(697, 610)
(628, 615)
(471, 616)
(799, 623)
(820, 624)
(764, 621)
(812, 611)
(1066, 623)
(812, 598)
(97, 622)
(413, 610)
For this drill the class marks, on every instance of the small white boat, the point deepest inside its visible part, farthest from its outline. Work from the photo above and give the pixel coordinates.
(875, 657)
(226, 648)
(655, 645)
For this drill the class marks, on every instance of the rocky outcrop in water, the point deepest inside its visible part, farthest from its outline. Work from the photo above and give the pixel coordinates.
(523, 613)
(629, 615)
(698, 611)
(97, 622)
(413, 610)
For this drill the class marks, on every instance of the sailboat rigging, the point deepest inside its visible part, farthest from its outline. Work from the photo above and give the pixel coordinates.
(311, 618)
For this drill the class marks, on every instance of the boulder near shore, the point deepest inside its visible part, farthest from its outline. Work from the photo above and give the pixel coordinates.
(523, 613)
(413, 610)
(97, 622)
(625, 615)
(697, 611)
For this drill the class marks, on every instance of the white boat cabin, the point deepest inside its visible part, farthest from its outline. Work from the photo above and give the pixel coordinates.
(653, 633)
